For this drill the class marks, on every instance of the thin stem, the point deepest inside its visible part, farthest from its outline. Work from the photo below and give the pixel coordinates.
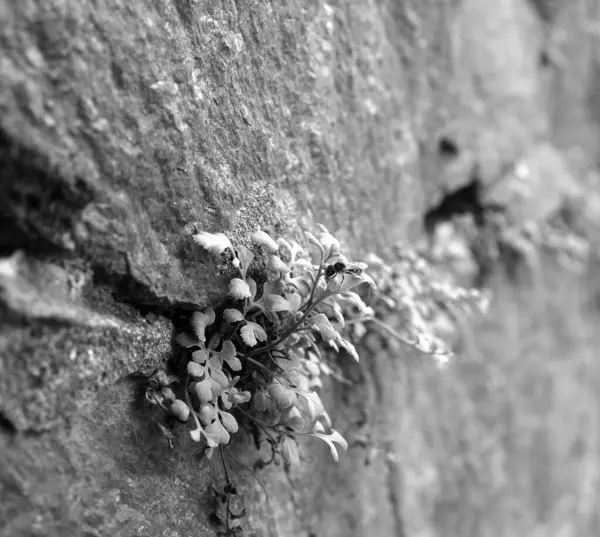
(290, 331)
(358, 320)
(249, 470)
(211, 343)
(272, 427)
(224, 465)
(314, 289)
(156, 401)
(259, 365)
(389, 330)
(186, 394)
(274, 362)
(228, 491)
(261, 423)
(227, 528)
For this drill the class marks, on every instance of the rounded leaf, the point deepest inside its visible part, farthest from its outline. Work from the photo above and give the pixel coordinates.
(239, 289)
(187, 341)
(248, 336)
(282, 396)
(310, 405)
(234, 363)
(195, 370)
(203, 390)
(216, 430)
(275, 263)
(293, 419)
(229, 422)
(245, 257)
(233, 316)
(227, 350)
(220, 378)
(263, 239)
(338, 314)
(215, 243)
(331, 439)
(289, 451)
(253, 288)
(294, 300)
(200, 320)
(277, 303)
(285, 250)
(261, 401)
(350, 348)
(237, 398)
(200, 356)
(312, 367)
(207, 413)
(330, 244)
(318, 427)
(180, 410)
(252, 333)
(197, 435)
(301, 284)
(321, 322)
(314, 241)
(215, 362)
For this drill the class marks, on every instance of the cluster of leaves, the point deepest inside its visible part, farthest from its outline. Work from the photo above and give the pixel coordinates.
(423, 300)
(260, 361)
(555, 236)
(469, 246)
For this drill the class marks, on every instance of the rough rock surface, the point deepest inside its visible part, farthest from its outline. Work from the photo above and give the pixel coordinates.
(126, 126)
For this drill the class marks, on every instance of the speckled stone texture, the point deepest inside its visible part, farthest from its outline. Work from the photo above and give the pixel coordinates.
(128, 125)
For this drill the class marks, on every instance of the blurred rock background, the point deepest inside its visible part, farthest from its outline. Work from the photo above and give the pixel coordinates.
(126, 126)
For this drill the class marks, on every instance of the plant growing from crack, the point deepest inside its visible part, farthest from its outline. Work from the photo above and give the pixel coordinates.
(261, 360)
(422, 298)
(258, 363)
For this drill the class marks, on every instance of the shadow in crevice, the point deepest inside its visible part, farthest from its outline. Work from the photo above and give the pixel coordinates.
(463, 201)
(39, 200)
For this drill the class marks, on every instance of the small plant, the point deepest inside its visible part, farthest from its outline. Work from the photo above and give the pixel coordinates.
(423, 297)
(258, 360)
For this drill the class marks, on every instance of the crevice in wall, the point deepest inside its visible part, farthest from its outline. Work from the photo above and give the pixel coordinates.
(39, 203)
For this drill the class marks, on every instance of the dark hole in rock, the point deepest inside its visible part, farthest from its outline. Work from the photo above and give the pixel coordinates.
(485, 238)
(544, 59)
(6, 425)
(447, 147)
(465, 200)
(482, 237)
(33, 202)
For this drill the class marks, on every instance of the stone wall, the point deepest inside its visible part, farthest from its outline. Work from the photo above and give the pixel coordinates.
(126, 126)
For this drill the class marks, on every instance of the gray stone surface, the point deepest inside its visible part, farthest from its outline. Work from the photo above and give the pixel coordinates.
(126, 126)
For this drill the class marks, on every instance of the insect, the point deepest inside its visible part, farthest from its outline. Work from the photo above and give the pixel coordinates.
(354, 269)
